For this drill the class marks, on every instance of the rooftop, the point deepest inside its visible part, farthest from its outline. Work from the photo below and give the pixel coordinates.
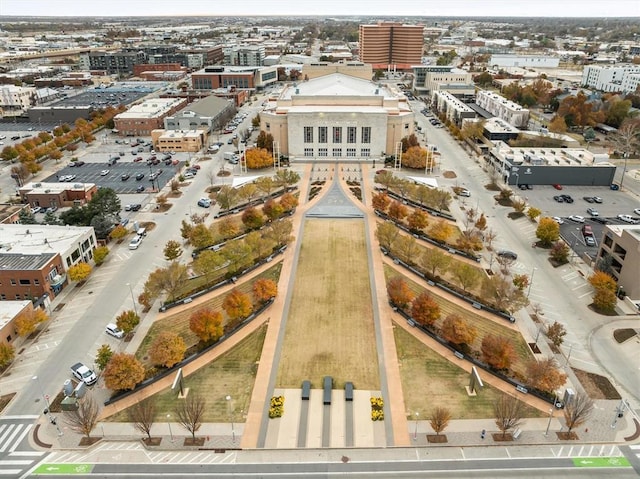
(336, 84)
(22, 262)
(10, 309)
(41, 187)
(19, 240)
(151, 108)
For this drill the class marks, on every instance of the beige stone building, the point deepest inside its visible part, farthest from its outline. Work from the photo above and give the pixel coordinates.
(337, 117)
(622, 244)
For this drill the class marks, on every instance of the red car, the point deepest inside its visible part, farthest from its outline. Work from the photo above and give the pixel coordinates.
(197, 167)
(557, 187)
(137, 159)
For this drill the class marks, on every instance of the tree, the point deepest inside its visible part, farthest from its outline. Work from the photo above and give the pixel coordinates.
(238, 254)
(386, 179)
(172, 250)
(548, 231)
(85, 418)
(520, 281)
(556, 333)
(103, 356)
(440, 231)
(545, 375)
(127, 321)
(272, 210)
(50, 218)
(248, 191)
(258, 158)
(265, 185)
(26, 217)
(142, 414)
(227, 197)
(167, 349)
(380, 201)
(618, 112)
(435, 261)
(533, 213)
(418, 220)
(252, 218)
(237, 305)
(190, 413)
(118, 233)
(104, 202)
(185, 230)
(458, 331)
(577, 410)
(627, 139)
(425, 310)
(508, 411)
(559, 252)
(123, 372)
(280, 232)
(100, 254)
(604, 291)
(405, 248)
(399, 292)
(7, 353)
(167, 280)
(102, 226)
(415, 157)
(79, 272)
(558, 125)
(498, 291)
(288, 202)
(387, 233)
(265, 140)
(578, 111)
(206, 324)
(409, 142)
(481, 223)
(264, 289)
(498, 351)
(285, 177)
(439, 419)
(27, 322)
(466, 275)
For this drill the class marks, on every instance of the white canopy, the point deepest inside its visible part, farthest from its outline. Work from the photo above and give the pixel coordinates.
(432, 182)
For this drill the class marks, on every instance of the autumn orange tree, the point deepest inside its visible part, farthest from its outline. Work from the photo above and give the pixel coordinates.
(123, 372)
(380, 201)
(425, 310)
(399, 292)
(458, 331)
(264, 289)
(252, 218)
(578, 111)
(27, 322)
(167, 349)
(257, 158)
(206, 324)
(548, 231)
(440, 231)
(418, 220)
(387, 233)
(272, 210)
(127, 321)
(397, 210)
(415, 157)
(118, 233)
(288, 201)
(237, 305)
(545, 375)
(604, 291)
(497, 351)
(79, 272)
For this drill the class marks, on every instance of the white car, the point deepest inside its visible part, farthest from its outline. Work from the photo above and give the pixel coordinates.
(465, 192)
(558, 220)
(592, 211)
(104, 172)
(637, 211)
(113, 330)
(577, 218)
(627, 219)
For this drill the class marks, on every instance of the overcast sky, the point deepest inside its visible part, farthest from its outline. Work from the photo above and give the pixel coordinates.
(502, 8)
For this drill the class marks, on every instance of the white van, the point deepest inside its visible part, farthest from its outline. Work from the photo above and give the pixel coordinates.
(213, 149)
(135, 242)
(142, 232)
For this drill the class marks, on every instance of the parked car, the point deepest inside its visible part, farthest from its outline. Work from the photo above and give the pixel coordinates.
(139, 176)
(637, 211)
(577, 218)
(127, 207)
(592, 211)
(505, 253)
(204, 202)
(559, 199)
(597, 199)
(628, 219)
(558, 220)
(567, 198)
(36, 209)
(136, 207)
(557, 187)
(465, 192)
(588, 199)
(140, 189)
(614, 187)
(104, 172)
(125, 176)
(600, 219)
(113, 330)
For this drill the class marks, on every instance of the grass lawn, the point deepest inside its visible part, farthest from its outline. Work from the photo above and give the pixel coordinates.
(329, 330)
(232, 374)
(429, 381)
(179, 322)
(482, 324)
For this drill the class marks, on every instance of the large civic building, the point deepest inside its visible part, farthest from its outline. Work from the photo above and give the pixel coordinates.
(391, 44)
(621, 246)
(337, 117)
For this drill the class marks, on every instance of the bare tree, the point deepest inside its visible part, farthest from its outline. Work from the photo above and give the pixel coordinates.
(439, 420)
(508, 411)
(83, 419)
(190, 412)
(577, 410)
(142, 415)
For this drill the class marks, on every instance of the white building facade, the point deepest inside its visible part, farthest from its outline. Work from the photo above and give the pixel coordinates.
(502, 108)
(623, 78)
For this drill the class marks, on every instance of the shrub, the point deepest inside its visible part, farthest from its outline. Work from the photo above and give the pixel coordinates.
(276, 407)
(377, 406)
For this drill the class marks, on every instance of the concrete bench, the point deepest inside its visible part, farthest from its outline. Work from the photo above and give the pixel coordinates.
(348, 391)
(306, 390)
(328, 386)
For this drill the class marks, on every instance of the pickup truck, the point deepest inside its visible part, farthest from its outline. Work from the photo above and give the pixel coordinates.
(84, 374)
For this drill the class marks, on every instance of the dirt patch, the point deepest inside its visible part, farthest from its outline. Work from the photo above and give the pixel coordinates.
(224, 173)
(599, 311)
(5, 399)
(148, 225)
(162, 208)
(449, 174)
(89, 441)
(174, 194)
(622, 335)
(499, 437)
(515, 215)
(436, 439)
(154, 441)
(492, 187)
(567, 436)
(596, 386)
(198, 441)
(503, 201)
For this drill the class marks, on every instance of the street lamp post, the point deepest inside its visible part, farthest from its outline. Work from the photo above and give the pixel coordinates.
(546, 433)
(169, 424)
(44, 396)
(135, 310)
(533, 271)
(233, 431)
(415, 431)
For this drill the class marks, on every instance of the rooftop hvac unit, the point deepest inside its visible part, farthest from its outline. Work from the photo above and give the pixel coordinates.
(77, 185)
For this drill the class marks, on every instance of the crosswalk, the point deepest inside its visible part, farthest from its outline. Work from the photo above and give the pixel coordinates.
(16, 455)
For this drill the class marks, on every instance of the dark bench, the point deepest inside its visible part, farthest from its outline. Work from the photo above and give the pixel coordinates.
(348, 391)
(306, 390)
(327, 385)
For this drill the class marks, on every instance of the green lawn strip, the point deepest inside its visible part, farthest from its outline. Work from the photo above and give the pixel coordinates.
(483, 325)
(429, 381)
(179, 322)
(233, 374)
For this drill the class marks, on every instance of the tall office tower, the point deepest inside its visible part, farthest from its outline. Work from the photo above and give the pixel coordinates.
(391, 43)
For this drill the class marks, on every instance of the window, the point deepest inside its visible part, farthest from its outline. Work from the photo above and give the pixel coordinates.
(308, 152)
(351, 135)
(18, 298)
(13, 282)
(308, 134)
(25, 282)
(366, 134)
(3, 297)
(36, 282)
(365, 152)
(337, 152)
(322, 134)
(323, 152)
(351, 152)
(337, 134)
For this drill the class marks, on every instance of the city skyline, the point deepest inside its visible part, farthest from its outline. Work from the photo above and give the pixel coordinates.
(454, 8)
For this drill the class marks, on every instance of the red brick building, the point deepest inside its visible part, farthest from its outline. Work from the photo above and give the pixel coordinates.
(142, 119)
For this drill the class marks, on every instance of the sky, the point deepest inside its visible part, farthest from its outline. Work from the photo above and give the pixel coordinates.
(468, 8)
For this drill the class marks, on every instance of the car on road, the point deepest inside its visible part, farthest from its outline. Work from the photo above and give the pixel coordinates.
(505, 253)
(113, 330)
(136, 207)
(127, 207)
(628, 219)
(104, 172)
(139, 176)
(557, 187)
(637, 211)
(577, 218)
(593, 212)
(558, 220)
(204, 202)
(125, 176)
